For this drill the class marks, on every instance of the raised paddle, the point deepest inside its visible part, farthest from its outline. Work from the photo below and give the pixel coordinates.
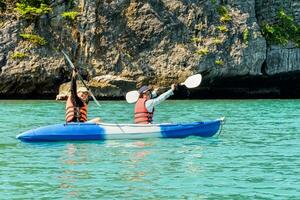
(191, 82)
(81, 79)
(132, 96)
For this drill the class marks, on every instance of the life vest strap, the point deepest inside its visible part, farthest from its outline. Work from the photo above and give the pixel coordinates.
(75, 114)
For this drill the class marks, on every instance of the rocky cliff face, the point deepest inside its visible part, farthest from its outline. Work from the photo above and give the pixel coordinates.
(120, 45)
(280, 59)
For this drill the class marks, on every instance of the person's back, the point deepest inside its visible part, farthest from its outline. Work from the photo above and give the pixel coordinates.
(75, 113)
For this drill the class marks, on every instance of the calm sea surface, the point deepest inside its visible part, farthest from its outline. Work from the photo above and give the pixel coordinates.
(257, 155)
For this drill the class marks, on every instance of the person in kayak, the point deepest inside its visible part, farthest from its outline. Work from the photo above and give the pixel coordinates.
(77, 103)
(144, 107)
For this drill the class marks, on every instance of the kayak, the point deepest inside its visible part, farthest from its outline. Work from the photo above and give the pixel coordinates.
(105, 131)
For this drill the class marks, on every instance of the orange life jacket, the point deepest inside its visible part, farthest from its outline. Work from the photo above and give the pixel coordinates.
(141, 114)
(75, 114)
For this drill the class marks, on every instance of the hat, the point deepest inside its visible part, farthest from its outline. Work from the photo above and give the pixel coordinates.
(144, 89)
(82, 89)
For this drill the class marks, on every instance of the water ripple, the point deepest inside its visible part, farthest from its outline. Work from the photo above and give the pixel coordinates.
(255, 157)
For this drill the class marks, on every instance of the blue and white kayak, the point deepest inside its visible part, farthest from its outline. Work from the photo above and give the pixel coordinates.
(104, 131)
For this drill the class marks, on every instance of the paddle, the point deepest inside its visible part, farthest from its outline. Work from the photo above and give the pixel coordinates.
(191, 82)
(81, 79)
(132, 96)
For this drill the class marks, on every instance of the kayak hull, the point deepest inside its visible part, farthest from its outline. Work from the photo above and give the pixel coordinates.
(104, 131)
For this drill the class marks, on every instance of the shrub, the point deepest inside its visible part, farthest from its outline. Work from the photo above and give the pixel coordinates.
(202, 51)
(222, 28)
(219, 62)
(32, 9)
(19, 55)
(70, 15)
(246, 36)
(282, 32)
(225, 18)
(223, 12)
(35, 39)
(196, 39)
(217, 41)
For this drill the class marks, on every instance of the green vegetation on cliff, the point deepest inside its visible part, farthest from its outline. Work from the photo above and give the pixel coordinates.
(217, 41)
(223, 12)
(19, 55)
(32, 8)
(222, 28)
(30, 12)
(284, 31)
(246, 36)
(219, 62)
(71, 15)
(35, 39)
(196, 39)
(202, 51)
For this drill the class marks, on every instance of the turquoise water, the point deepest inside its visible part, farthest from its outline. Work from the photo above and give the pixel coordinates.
(255, 157)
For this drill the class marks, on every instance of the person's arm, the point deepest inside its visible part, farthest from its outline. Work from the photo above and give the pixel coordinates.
(151, 103)
(73, 85)
(76, 100)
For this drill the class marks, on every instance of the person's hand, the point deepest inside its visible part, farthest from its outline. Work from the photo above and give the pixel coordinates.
(154, 93)
(74, 73)
(173, 86)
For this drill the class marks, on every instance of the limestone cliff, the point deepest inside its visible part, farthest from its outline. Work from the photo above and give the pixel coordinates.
(122, 44)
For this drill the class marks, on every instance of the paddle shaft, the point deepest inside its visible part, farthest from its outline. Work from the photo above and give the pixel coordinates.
(80, 78)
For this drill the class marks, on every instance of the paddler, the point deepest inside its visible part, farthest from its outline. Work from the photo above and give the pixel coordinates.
(144, 107)
(77, 103)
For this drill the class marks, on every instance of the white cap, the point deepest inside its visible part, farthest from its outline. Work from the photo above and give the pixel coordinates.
(82, 89)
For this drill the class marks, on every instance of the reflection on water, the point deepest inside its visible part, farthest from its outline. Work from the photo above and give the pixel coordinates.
(69, 177)
(136, 158)
(76, 155)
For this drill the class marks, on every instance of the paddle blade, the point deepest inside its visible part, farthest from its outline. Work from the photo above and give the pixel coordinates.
(193, 81)
(132, 96)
